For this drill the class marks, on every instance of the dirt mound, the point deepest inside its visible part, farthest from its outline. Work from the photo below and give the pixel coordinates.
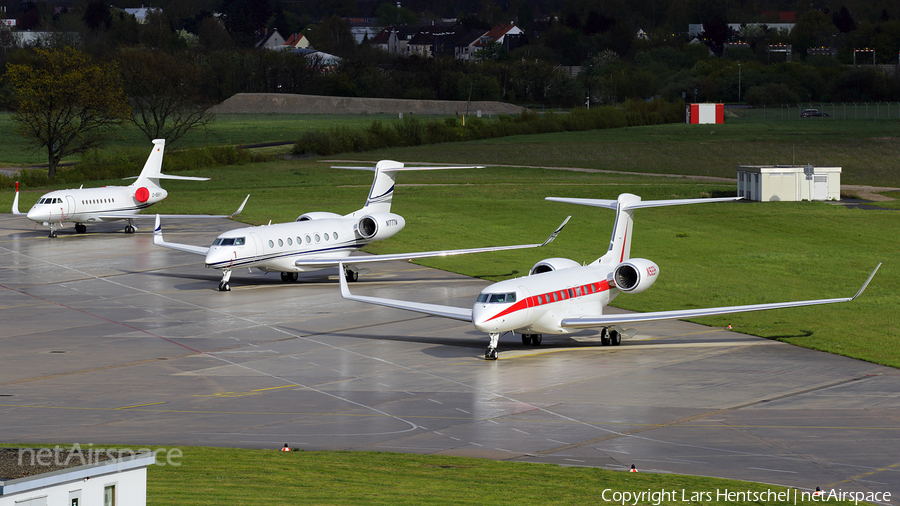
(314, 104)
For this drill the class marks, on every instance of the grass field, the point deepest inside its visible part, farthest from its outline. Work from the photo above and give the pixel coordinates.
(238, 129)
(243, 477)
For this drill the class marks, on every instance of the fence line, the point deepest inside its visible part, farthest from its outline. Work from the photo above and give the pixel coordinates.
(816, 111)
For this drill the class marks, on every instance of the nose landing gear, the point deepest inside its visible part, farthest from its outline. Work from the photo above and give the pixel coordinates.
(224, 286)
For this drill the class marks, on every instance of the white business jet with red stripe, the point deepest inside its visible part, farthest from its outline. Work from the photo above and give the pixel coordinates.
(320, 240)
(560, 296)
(109, 203)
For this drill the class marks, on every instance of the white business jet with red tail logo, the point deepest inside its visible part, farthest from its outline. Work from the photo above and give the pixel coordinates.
(109, 203)
(320, 240)
(560, 296)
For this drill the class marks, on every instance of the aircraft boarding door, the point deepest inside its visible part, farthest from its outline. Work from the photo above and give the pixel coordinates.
(257, 243)
(70, 205)
(820, 187)
(526, 295)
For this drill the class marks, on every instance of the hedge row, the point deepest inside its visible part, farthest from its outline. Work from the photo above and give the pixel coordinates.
(412, 131)
(121, 163)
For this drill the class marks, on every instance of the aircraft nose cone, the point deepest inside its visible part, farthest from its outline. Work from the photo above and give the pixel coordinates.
(482, 318)
(38, 215)
(218, 257)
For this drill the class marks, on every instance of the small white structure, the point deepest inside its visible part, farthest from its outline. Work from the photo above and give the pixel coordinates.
(703, 114)
(118, 481)
(789, 183)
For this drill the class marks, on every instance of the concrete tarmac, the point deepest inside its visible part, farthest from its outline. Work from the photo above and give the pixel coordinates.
(107, 339)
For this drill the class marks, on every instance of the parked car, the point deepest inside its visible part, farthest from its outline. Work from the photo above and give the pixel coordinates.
(808, 113)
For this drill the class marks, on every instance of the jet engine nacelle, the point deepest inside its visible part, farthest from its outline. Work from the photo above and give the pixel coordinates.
(635, 275)
(317, 216)
(377, 226)
(552, 264)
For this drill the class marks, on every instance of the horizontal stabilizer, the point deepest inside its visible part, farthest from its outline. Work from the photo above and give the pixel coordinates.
(640, 204)
(167, 176)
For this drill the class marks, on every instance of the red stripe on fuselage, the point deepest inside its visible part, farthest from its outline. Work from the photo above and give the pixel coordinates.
(534, 300)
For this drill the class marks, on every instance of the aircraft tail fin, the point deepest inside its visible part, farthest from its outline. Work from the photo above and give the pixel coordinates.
(152, 171)
(153, 166)
(382, 192)
(620, 242)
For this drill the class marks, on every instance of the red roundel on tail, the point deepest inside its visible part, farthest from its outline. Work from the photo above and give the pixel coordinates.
(142, 194)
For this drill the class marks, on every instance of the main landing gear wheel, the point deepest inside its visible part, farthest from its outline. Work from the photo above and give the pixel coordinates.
(289, 277)
(610, 337)
(350, 275)
(534, 339)
(129, 229)
(490, 354)
(80, 228)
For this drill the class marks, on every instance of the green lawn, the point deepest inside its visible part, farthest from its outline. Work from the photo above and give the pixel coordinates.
(237, 129)
(250, 477)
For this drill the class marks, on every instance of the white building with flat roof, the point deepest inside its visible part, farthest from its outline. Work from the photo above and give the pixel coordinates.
(770, 183)
(66, 478)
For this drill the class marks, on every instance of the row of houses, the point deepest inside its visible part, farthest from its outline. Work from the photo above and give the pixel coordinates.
(297, 43)
(426, 41)
(457, 41)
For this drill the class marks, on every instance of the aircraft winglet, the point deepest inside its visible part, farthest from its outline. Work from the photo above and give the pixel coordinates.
(159, 241)
(455, 313)
(15, 206)
(557, 231)
(240, 208)
(863, 287)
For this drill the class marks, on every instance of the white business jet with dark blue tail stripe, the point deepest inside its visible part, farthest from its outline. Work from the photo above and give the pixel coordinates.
(319, 240)
(560, 296)
(110, 203)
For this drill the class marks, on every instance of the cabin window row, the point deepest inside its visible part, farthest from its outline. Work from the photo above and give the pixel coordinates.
(309, 239)
(569, 293)
(98, 201)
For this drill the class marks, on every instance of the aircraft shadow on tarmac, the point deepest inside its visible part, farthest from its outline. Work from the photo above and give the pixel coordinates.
(325, 276)
(468, 343)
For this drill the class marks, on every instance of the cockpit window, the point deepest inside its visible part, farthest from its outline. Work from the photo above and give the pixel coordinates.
(499, 298)
(229, 241)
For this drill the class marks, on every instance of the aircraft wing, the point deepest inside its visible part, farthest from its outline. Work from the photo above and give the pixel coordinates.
(454, 313)
(159, 241)
(425, 254)
(120, 216)
(618, 319)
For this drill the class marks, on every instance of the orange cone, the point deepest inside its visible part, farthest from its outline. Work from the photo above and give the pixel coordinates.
(633, 470)
(286, 448)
